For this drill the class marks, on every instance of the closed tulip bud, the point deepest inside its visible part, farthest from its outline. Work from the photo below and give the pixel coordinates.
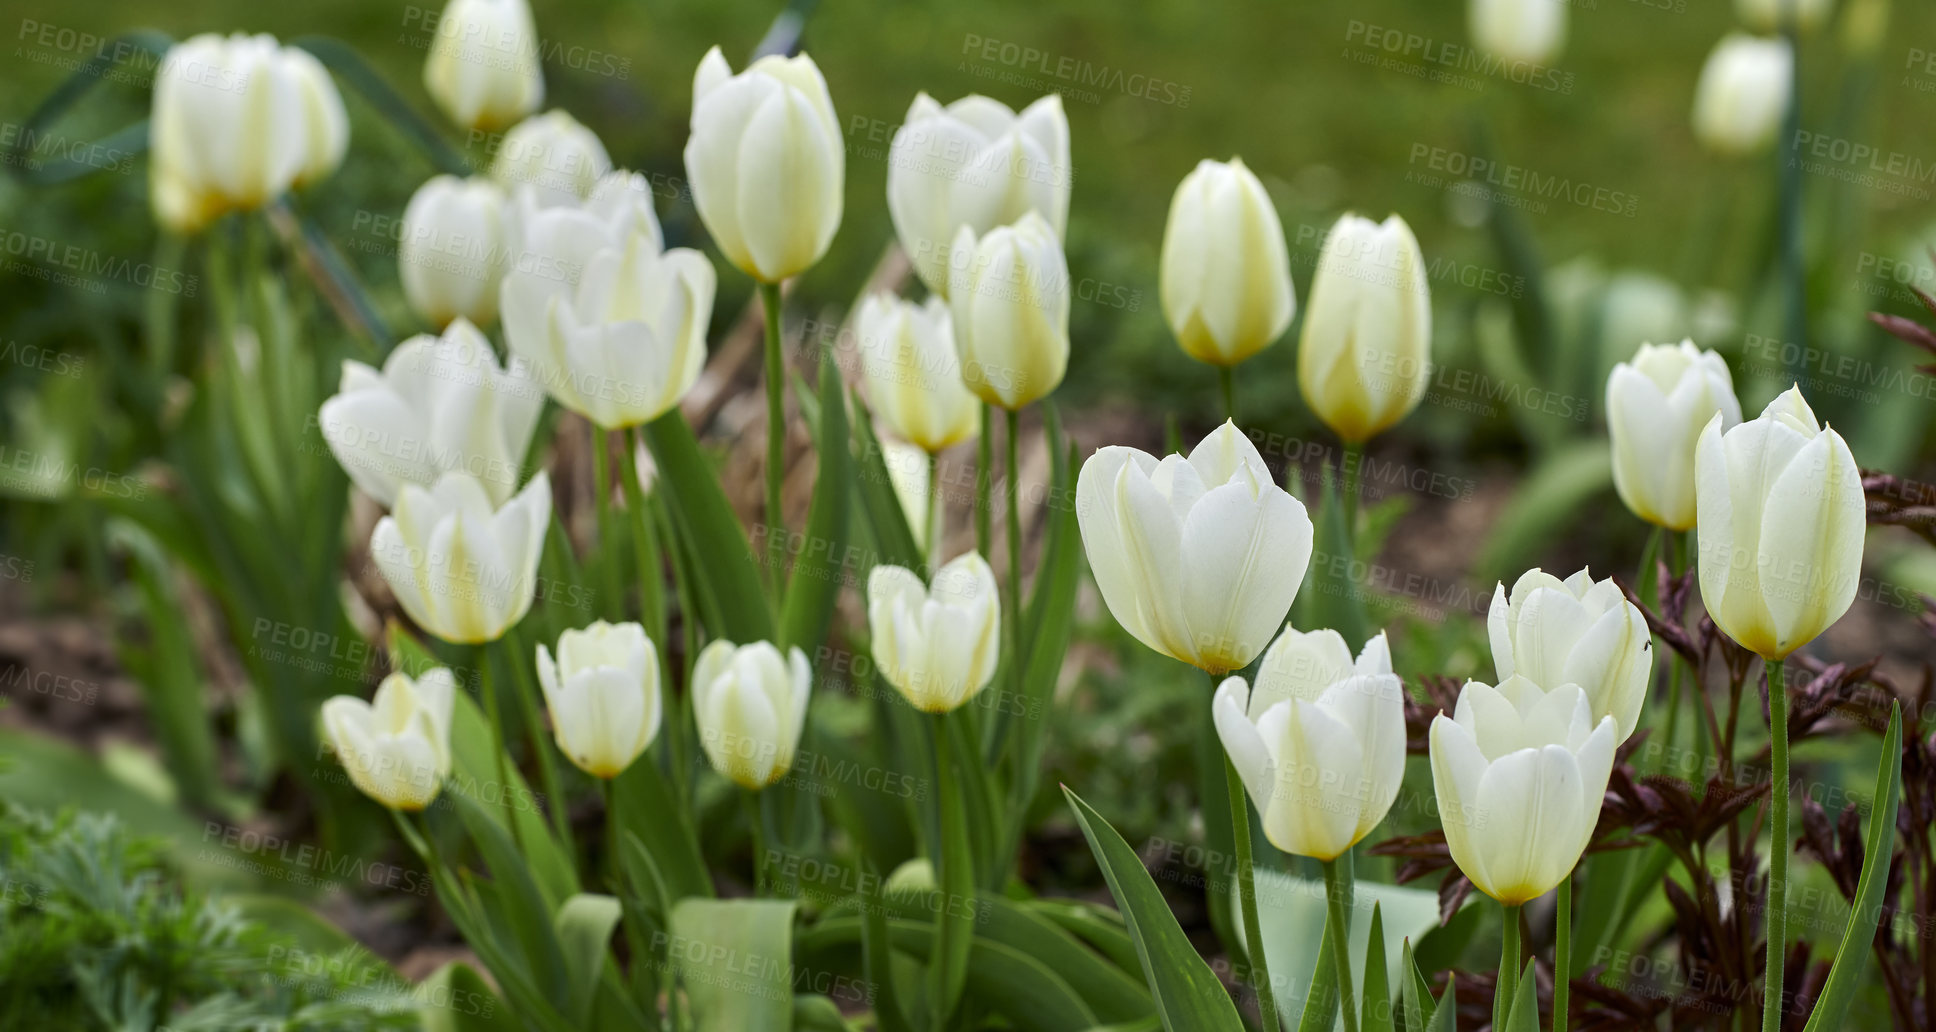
(767, 162)
(395, 748)
(1575, 631)
(452, 255)
(1366, 352)
(324, 119)
(483, 65)
(1225, 273)
(603, 694)
(913, 374)
(1520, 775)
(1199, 558)
(937, 645)
(558, 158)
(1532, 31)
(974, 163)
(1743, 94)
(462, 570)
(751, 705)
(1781, 518)
(1769, 16)
(907, 471)
(1010, 299)
(1657, 406)
(1319, 743)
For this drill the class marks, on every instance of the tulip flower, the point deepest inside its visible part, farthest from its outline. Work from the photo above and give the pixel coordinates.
(1366, 352)
(1225, 272)
(483, 65)
(1769, 16)
(974, 163)
(1320, 741)
(554, 155)
(937, 645)
(396, 748)
(750, 704)
(324, 120)
(603, 694)
(1575, 631)
(441, 404)
(1656, 409)
(1010, 299)
(913, 374)
(1743, 94)
(463, 570)
(1199, 558)
(767, 162)
(452, 255)
(1529, 31)
(907, 472)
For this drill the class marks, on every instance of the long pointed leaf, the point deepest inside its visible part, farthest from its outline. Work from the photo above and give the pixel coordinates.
(1878, 850)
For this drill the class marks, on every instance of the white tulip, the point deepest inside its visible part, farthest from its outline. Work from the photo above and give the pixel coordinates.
(767, 162)
(483, 64)
(441, 404)
(1010, 300)
(1657, 406)
(1781, 520)
(1743, 93)
(1769, 16)
(554, 155)
(750, 705)
(324, 119)
(603, 694)
(396, 748)
(913, 374)
(1199, 558)
(1575, 631)
(1365, 355)
(907, 472)
(974, 163)
(1531, 31)
(1320, 742)
(937, 645)
(463, 572)
(1520, 776)
(1225, 272)
(452, 255)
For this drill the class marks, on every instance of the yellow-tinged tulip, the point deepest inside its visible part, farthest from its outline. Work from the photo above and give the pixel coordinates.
(907, 471)
(1010, 299)
(1319, 743)
(1743, 94)
(553, 154)
(483, 65)
(1520, 775)
(1657, 407)
(1365, 356)
(396, 748)
(937, 645)
(1199, 558)
(1529, 31)
(767, 162)
(1574, 631)
(463, 572)
(452, 256)
(325, 122)
(1781, 524)
(750, 704)
(913, 374)
(603, 694)
(1225, 272)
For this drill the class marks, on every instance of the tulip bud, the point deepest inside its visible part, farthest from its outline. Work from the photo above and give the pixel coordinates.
(463, 572)
(750, 705)
(396, 748)
(937, 646)
(325, 121)
(1769, 16)
(1199, 558)
(1743, 94)
(1532, 31)
(483, 65)
(1781, 519)
(1010, 299)
(452, 255)
(1225, 273)
(1520, 774)
(767, 162)
(907, 471)
(974, 163)
(1577, 631)
(913, 373)
(440, 404)
(1320, 742)
(603, 694)
(554, 155)
(1366, 352)
(1656, 409)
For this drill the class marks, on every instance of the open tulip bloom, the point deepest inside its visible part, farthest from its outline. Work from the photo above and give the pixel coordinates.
(1575, 631)
(396, 747)
(750, 704)
(603, 694)
(938, 646)
(1657, 406)
(464, 570)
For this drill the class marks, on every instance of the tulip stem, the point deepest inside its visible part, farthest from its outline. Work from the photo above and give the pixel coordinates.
(1771, 1000)
(1789, 176)
(984, 460)
(1227, 381)
(651, 576)
(1563, 953)
(1337, 895)
(1354, 456)
(931, 534)
(487, 687)
(528, 704)
(612, 604)
(1014, 621)
(1507, 982)
(750, 801)
(1247, 897)
(776, 538)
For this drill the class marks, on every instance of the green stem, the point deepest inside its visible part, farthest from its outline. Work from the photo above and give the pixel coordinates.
(689, 626)
(1337, 894)
(1788, 170)
(1563, 953)
(609, 585)
(1227, 381)
(527, 694)
(1354, 456)
(1013, 623)
(608, 789)
(931, 519)
(499, 747)
(1247, 896)
(1771, 1000)
(651, 576)
(1507, 981)
(776, 537)
(984, 461)
(750, 802)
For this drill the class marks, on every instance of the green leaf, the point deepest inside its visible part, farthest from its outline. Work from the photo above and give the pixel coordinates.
(879, 503)
(349, 66)
(1094, 924)
(727, 577)
(877, 963)
(474, 778)
(1051, 620)
(1335, 599)
(820, 568)
(813, 1012)
(168, 668)
(1018, 986)
(1878, 849)
(1187, 993)
(1114, 994)
(584, 928)
(148, 45)
(521, 907)
(1445, 1017)
(1414, 993)
(734, 959)
(1320, 1012)
(1375, 1003)
(954, 872)
(457, 999)
(649, 809)
(1524, 1015)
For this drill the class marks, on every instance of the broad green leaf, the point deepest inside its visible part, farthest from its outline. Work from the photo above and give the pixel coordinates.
(584, 928)
(168, 668)
(1878, 850)
(1320, 1011)
(1294, 913)
(734, 958)
(1414, 993)
(1375, 1003)
(1094, 924)
(727, 576)
(1051, 617)
(1114, 994)
(954, 874)
(1445, 1017)
(813, 1012)
(877, 964)
(1023, 989)
(820, 568)
(1524, 1015)
(649, 809)
(458, 999)
(521, 906)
